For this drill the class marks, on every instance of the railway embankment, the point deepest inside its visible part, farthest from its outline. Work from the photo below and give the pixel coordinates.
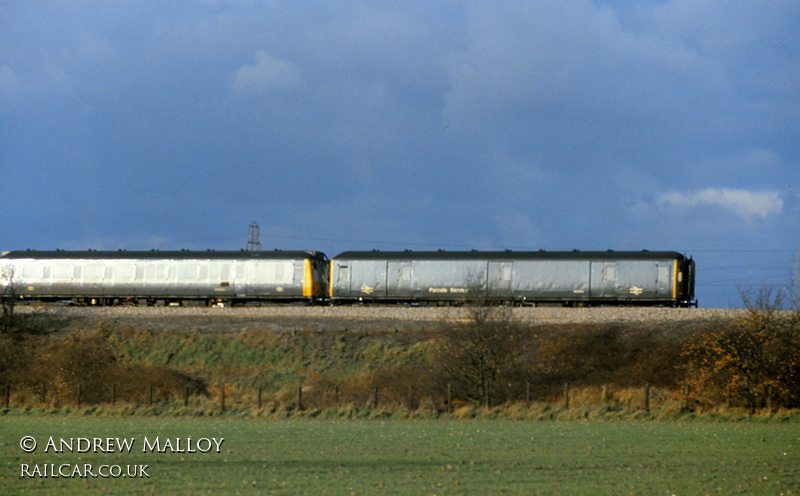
(321, 357)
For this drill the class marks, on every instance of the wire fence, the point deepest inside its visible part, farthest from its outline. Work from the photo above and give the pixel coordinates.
(309, 396)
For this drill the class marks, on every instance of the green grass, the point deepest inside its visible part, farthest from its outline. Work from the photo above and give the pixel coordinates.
(418, 457)
(272, 360)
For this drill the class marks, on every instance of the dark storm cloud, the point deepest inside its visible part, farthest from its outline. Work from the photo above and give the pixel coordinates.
(525, 125)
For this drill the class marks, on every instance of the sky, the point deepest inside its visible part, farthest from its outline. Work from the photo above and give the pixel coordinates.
(358, 125)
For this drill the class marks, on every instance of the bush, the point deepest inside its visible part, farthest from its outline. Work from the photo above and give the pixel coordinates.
(89, 361)
(754, 362)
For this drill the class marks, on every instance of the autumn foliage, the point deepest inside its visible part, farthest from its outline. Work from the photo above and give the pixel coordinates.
(484, 358)
(754, 362)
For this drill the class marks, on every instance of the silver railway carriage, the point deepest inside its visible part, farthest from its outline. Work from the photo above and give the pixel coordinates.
(573, 278)
(163, 277)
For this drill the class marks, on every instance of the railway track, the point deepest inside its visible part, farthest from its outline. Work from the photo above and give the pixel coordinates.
(351, 318)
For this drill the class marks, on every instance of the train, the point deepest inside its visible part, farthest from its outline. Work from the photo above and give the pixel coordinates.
(564, 278)
(164, 277)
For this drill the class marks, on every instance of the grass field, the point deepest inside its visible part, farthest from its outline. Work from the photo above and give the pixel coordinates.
(419, 457)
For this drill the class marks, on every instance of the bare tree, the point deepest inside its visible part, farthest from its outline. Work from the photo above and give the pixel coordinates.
(488, 348)
(7, 298)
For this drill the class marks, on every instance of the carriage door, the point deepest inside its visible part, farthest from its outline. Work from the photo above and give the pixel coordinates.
(500, 279)
(400, 279)
(604, 280)
(240, 278)
(664, 281)
(341, 285)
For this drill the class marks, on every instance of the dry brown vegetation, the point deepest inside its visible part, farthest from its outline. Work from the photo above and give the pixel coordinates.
(55, 367)
(754, 361)
(751, 362)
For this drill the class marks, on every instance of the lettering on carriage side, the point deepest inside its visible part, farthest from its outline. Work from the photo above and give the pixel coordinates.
(437, 290)
(459, 290)
(635, 290)
(367, 289)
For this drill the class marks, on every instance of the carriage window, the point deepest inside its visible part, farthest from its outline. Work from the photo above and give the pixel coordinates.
(62, 271)
(93, 272)
(277, 272)
(344, 274)
(610, 273)
(125, 272)
(663, 274)
(187, 271)
(32, 271)
(505, 273)
(405, 273)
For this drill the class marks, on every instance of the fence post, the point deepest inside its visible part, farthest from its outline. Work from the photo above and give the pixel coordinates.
(449, 406)
(527, 392)
(113, 394)
(566, 396)
(79, 395)
(150, 395)
(605, 394)
(260, 388)
(647, 397)
(8, 395)
(300, 397)
(375, 398)
(222, 398)
(186, 396)
(770, 398)
(43, 393)
(686, 391)
(411, 397)
(336, 395)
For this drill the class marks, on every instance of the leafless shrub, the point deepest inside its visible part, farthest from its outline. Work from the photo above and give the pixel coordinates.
(7, 298)
(481, 356)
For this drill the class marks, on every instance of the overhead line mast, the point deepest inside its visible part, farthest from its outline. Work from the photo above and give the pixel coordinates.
(253, 244)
